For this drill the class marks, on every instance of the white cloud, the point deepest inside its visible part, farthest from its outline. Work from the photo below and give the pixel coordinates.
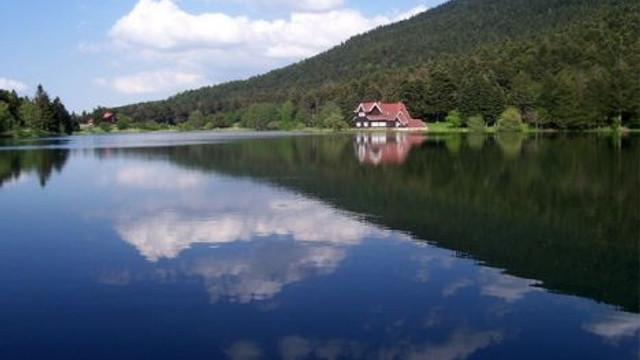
(615, 326)
(244, 350)
(224, 46)
(151, 178)
(310, 5)
(294, 348)
(506, 287)
(163, 227)
(153, 81)
(167, 234)
(461, 344)
(262, 272)
(9, 84)
(453, 287)
(304, 237)
(163, 25)
(304, 5)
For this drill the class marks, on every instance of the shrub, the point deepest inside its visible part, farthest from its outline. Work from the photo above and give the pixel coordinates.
(475, 123)
(330, 116)
(124, 122)
(105, 126)
(335, 122)
(453, 119)
(510, 120)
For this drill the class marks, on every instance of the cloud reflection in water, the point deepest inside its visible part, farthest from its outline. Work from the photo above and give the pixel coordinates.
(286, 236)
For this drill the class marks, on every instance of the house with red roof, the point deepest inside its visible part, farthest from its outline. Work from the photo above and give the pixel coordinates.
(379, 114)
(109, 117)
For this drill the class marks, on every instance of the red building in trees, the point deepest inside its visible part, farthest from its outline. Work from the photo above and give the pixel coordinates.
(384, 115)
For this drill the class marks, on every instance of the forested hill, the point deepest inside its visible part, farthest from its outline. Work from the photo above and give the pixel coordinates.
(562, 63)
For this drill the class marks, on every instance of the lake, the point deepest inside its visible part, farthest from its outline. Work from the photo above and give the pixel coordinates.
(242, 245)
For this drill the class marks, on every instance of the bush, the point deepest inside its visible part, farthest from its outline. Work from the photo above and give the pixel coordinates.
(330, 116)
(124, 122)
(151, 126)
(453, 119)
(510, 120)
(335, 122)
(105, 126)
(476, 124)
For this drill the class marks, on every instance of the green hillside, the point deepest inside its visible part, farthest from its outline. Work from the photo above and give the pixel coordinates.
(562, 63)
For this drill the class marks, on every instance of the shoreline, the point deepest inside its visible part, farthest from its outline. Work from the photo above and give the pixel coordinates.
(439, 129)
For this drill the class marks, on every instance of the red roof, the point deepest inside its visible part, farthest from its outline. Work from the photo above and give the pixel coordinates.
(107, 115)
(389, 112)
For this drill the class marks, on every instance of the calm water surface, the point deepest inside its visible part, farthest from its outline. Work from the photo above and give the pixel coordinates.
(371, 246)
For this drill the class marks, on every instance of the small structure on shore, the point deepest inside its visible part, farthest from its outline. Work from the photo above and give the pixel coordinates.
(109, 117)
(379, 114)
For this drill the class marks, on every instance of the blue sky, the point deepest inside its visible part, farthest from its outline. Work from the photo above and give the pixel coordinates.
(115, 52)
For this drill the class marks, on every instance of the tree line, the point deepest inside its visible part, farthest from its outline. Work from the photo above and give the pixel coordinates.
(38, 115)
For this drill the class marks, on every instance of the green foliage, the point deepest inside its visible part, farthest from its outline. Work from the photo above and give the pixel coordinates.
(510, 143)
(6, 118)
(258, 116)
(29, 114)
(124, 122)
(105, 126)
(331, 117)
(286, 114)
(510, 120)
(197, 120)
(453, 119)
(476, 124)
(576, 67)
(39, 115)
(151, 126)
(61, 120)
(453, 143)
(481, 93)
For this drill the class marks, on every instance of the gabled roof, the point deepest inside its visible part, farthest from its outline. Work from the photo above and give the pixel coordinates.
(367, 106)
(389, 112)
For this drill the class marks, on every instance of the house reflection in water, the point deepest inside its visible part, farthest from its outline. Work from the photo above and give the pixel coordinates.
(385, 148)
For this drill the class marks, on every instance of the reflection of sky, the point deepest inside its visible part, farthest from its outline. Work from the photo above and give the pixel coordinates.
(258, 272)
(181, 209)
(246, 242)
(459, 345)
(614, 326)
(224, 211)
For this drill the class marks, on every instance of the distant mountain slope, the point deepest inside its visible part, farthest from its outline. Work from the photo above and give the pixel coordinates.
(458, 26)
(454, 31)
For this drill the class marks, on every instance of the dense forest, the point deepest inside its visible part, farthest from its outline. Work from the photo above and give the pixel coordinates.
(564, 64)
(38, 115)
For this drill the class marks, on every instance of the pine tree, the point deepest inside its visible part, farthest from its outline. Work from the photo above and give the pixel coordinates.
(61, 119)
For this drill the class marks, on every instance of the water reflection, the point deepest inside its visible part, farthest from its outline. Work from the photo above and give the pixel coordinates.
(613, 327)
(16, 164)
(391, 148)
(460, 344)
(510, 143)
(260, 272)
(248, 242)
(227, 211)
(291, 249)
(287, 237)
